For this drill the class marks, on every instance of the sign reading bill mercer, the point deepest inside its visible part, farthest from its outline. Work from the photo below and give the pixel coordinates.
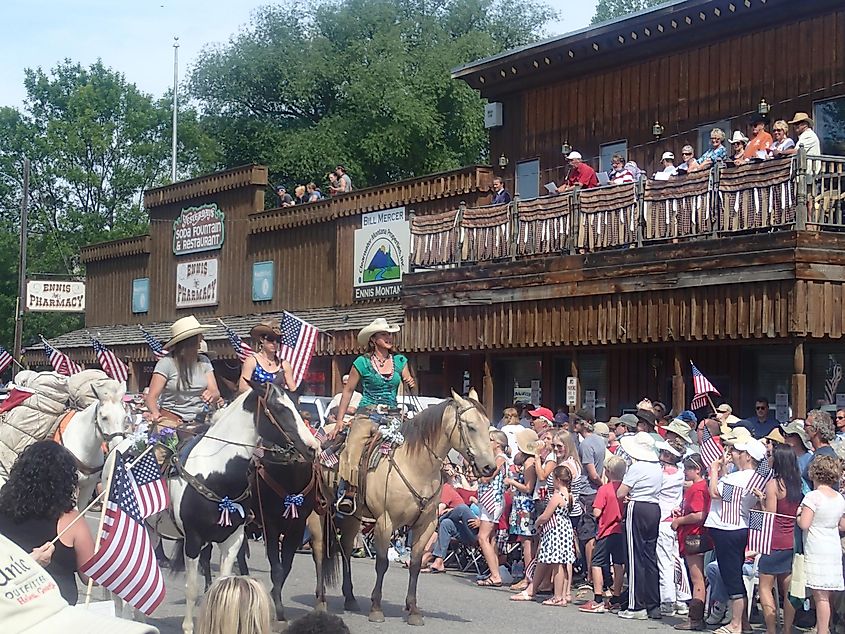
(382, 246)
(198, 229)
(60, 297)
(196, 283)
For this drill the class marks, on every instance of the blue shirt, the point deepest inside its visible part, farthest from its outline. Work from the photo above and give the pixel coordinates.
(501, 197)
(758, 430)
(718, 154)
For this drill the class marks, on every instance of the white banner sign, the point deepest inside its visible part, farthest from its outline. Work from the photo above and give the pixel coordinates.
(61, 297)
(382, 250)
(571, 391)
(196, 283)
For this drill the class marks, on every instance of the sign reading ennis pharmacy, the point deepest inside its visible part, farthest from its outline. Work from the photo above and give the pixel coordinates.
(55, 296)
(198, 229)
(196, 283)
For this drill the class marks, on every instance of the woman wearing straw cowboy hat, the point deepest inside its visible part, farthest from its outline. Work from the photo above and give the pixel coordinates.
(265, 366)
(379, 372)
(183, 383)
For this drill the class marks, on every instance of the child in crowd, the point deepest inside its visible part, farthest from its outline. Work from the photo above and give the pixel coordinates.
(557, 542)
(491, 500)
(610, 540)
(822, 517)
(693, 539)
(522, 509)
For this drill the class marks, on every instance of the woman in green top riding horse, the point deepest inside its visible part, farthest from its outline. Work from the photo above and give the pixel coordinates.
(378, 374)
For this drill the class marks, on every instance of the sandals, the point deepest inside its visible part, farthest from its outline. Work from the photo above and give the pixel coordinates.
(488, 583)
(519, 585)
(557, 603)
(522, 596)
(725, 630)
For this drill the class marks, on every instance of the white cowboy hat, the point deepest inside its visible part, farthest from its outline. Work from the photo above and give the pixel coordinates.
(528, 441)
(737, 435)
(739, 137)
(375, 326)
(640, 446)
(185, 328)
(677, 426)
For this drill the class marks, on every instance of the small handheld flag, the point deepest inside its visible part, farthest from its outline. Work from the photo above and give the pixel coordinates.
(701, 388)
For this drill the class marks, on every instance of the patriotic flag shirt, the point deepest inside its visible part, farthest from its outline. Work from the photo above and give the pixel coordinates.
(730, 511)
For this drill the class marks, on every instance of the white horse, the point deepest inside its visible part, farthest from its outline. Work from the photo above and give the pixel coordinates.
(104, 421)
(210, 498)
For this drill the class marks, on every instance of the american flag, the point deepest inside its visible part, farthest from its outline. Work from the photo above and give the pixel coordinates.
(487, 498)
(701, 386)
(155, 345)
(710, 448)
(60, 361)
(5, 359)
(297, 345)
(762, 474)
(125, 562)
(681, 579)
(242, 349)
(328, 457)
(760, 527)
(731, 504)
(108, 360)
(151, 489)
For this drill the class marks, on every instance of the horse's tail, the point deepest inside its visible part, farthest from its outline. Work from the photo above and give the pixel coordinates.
(331, 550)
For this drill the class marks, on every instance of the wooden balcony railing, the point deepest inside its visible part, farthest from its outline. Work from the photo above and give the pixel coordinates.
(765, 196)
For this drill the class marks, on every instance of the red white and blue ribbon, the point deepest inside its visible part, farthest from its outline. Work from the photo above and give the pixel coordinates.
(292, 504)
(226, 508)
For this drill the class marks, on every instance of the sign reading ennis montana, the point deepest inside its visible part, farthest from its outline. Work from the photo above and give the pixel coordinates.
(198, 229)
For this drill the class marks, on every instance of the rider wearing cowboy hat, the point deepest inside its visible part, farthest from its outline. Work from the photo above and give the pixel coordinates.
(265, 365)
(378, 373)
(183, 382)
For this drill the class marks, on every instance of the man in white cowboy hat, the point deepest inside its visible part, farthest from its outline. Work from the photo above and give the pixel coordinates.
(641, 487)
(379, 372)
(807, 138)
(30, 601)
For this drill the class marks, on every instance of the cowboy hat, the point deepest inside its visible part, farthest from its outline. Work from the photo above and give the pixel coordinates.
(679, 427)
(647, 416)
(640, 446)
(662, 445)
(796, 427)
(185, 328)
(724, 408)
(775, 436)
(728, 423)
(374, 327)
(799, 117)
(267, 327)
(527, 441)
(739, 137)
(737, 435)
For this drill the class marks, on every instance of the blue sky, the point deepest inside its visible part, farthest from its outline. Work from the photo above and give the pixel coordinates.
(136, 37)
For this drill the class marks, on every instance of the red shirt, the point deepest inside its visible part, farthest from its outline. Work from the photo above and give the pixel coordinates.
(449, 496)
(467, 495)
(610, 520)
(584, 175)
(696, 500)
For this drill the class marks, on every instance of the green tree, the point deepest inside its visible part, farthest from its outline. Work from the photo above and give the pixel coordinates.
(95, 143)
(610, 9)
(365, 83)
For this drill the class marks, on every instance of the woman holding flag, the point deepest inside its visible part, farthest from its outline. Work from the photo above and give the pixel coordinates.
(732, 497)
(265, 365)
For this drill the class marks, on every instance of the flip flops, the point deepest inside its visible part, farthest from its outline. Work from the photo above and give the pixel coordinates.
(725, 630)
(555, 603)
(488, 583)
(522, 596)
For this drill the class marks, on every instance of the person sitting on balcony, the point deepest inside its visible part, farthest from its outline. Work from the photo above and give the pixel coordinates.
(781, 143)
(739, 142)
(717, 151)
(500, 194)
(760, 142)
(313, 194)
(667, 162)
(344, 183)
(580, 174)
(806, 137)
(332, 178)
(688, 162)
(285, 199)
(619, 173)
(299, 195)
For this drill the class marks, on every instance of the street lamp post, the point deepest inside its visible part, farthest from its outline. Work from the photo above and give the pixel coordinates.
(175, 107)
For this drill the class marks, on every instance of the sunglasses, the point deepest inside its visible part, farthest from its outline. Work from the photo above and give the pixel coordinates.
(557, 446)
(840, 418)
(686, 153)
(761, 407)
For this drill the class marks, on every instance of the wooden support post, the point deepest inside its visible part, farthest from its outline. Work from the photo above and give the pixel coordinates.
(487, 388)
(802, 197)
(575, 216)
(640, 211)
(459, 255)
(514, 226)
(337, 375)
(799, 383)
(715, 216)
(547, 381)
(679, 397)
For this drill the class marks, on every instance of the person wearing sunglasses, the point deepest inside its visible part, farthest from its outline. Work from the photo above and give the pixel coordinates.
(763, 422)
(266, 366)
(840, 425)
(688, 162)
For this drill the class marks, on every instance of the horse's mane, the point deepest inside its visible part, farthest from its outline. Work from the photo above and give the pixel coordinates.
(423, 428)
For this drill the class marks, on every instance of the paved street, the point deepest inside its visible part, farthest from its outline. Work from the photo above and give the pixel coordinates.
(449, 601)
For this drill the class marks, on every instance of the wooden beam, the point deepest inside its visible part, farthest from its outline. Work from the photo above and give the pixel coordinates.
(679, 399)
(487, 389)
(799, 382)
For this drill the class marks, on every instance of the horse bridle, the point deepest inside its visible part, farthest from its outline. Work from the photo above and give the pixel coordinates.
(460, 425)
(107, 438)
(262, 405)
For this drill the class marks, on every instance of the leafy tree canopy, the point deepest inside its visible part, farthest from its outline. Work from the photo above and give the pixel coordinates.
(610, 9)
(95, 143)
(365, 83)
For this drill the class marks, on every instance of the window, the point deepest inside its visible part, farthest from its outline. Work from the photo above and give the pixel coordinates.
(608, 150)
(704, 135)
(528, 179)
(829, 118)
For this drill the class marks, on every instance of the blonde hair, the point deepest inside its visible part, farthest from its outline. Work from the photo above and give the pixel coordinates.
(781, 125)
(616, 468)
(501, 438)
(567, 439)
(235, 605)
(718, 132)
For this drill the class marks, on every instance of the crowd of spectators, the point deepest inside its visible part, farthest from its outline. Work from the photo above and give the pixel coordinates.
(629, 516)
(338, 182)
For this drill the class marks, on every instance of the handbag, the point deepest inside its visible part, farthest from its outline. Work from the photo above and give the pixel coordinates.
(698, 544)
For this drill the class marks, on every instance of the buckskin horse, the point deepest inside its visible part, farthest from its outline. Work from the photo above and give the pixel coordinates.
(404, 490)
(211, 497)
